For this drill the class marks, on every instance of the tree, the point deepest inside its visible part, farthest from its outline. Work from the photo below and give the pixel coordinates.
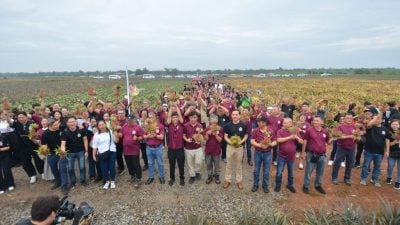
(138, 72)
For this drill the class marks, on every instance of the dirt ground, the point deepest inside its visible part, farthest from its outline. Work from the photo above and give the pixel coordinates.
(16, 204)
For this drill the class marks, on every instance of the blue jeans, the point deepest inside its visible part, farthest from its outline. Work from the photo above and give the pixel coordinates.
(152, 155)
(377, 159)
(63, 168)
(80, 156)
(341, 155)
(264, 159)
(391, 164)
(108, 167)
(319, 166)
(248, 148)
(281, 166)
(52, 160)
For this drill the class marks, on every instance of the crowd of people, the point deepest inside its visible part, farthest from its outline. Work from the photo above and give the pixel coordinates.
(207, 123)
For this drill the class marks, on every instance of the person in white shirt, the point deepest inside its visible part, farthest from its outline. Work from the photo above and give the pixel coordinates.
(105, 152)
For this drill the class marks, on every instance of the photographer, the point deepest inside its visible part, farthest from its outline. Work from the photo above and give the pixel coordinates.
(43, 212)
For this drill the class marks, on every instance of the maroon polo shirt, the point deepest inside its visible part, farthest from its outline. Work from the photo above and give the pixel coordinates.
(190, 130)
(154, 141)
(131, 147)
(316, 140)
(287, 149)
(348, 143)
(258, 136)
(309, 117)
(175, 136)
(275, 122)
(213, 146)
(303, 129)
(162, 116)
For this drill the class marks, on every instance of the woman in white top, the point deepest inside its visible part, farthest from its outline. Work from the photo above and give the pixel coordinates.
(105, 152)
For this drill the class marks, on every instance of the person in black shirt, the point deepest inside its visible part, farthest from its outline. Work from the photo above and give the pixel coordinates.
(377, 139)
(6, 176)
(394, 153)
(287, 108)
(26, 147)
(234, 153)
(74, 141)
(52, 139)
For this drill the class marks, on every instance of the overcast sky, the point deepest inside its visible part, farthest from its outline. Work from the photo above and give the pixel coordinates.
(67, 35)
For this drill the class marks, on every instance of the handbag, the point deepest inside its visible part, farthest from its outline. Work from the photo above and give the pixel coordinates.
(105, 155)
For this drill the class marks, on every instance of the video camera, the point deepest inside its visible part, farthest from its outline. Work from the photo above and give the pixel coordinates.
(81, 215)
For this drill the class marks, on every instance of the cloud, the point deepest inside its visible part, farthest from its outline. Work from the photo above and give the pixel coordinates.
(374, 38)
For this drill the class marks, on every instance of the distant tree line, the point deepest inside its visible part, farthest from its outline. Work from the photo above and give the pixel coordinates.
(176, 71)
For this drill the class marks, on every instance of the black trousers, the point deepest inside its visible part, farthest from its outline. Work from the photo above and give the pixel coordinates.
(6, 176)
(223, 147)
(27, 153)
(360, 148)
(144, 154)
(275, 153)
(120, 159)
(133, 164)
(174, 156)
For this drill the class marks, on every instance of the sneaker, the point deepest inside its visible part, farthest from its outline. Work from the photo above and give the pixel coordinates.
(149, 181)
(65, 190)
(251, 163)
(32, 180)
(182, 182)
(11, 188)
(191, 180)
(363, 182)
(335, 181)
(347, 182)
(137, 183)
(162, 180)
(226, 184)
(306, 190)
(171, 182)
(145, 167)
(224, 160)
(297, 155)
(291, 189)
(254, 189)
(330, 163)
(1, 192)
(343, 164)
(265, 189)
(275, 163)
(112, 185)
(198, 176)
(217, 181)
(356, 165)
(277, 189)
(388, 180)
(377, 184)
(397, 186)
(209, 179)
(320, 190)
(240, 185)
(301, 166)
(106, 185)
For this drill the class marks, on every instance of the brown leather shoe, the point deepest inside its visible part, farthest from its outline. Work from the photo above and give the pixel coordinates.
(226, 184)
(240, 185)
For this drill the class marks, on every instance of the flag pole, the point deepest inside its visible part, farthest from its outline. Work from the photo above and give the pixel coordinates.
(127, 90)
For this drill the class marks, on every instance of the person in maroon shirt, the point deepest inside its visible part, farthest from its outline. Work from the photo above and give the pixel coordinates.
(154, 149)
(131, 134)
(345, 149)
(315, 140)
(305, 109)
(176, 153)
(213, 136)
(287, 138)
(275, 123)
(192, 135)
(263, 139)
(120, 160)
(302, 127)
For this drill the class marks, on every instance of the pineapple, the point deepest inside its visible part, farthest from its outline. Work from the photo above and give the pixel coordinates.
(235, 141)
(60, 154)
(43, 151)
